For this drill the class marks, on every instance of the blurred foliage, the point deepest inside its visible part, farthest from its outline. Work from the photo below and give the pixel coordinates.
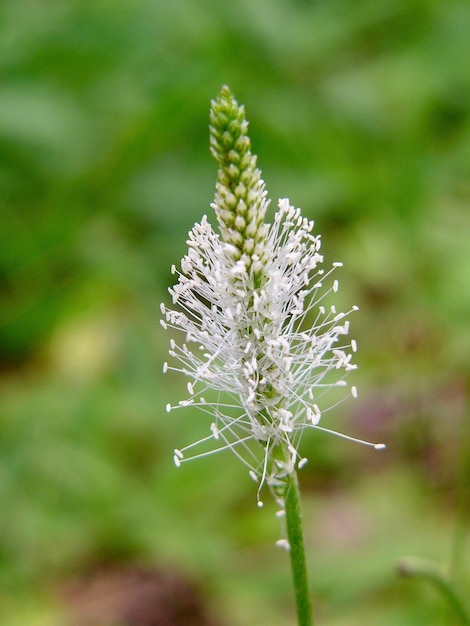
(360, 113)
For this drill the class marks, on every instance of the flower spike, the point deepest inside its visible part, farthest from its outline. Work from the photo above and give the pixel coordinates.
(240, 201)
(261, 348)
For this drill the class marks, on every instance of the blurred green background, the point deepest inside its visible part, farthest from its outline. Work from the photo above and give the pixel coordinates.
(360, 114)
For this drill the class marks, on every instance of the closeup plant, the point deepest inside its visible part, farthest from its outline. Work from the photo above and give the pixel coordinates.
(251, 306)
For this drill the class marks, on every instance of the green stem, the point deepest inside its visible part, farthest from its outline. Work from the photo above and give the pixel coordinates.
(429, 571)
(297, 553)
(463, 495)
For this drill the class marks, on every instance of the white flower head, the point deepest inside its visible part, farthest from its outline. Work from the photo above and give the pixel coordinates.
(260, 342)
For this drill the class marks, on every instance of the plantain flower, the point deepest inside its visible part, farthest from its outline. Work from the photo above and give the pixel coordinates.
(261, 348)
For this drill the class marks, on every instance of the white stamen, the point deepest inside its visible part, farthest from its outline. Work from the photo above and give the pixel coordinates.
(215, 430)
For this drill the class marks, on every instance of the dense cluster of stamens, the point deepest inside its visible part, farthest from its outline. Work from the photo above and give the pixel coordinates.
(262, 347)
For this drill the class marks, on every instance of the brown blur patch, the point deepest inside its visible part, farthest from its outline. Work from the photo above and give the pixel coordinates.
(136, 596)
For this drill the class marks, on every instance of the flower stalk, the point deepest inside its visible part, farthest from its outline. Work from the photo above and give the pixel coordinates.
(297, 553)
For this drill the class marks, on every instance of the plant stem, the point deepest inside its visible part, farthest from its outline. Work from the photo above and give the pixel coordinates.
(297, 553)
(421, 568)
(463, 495)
